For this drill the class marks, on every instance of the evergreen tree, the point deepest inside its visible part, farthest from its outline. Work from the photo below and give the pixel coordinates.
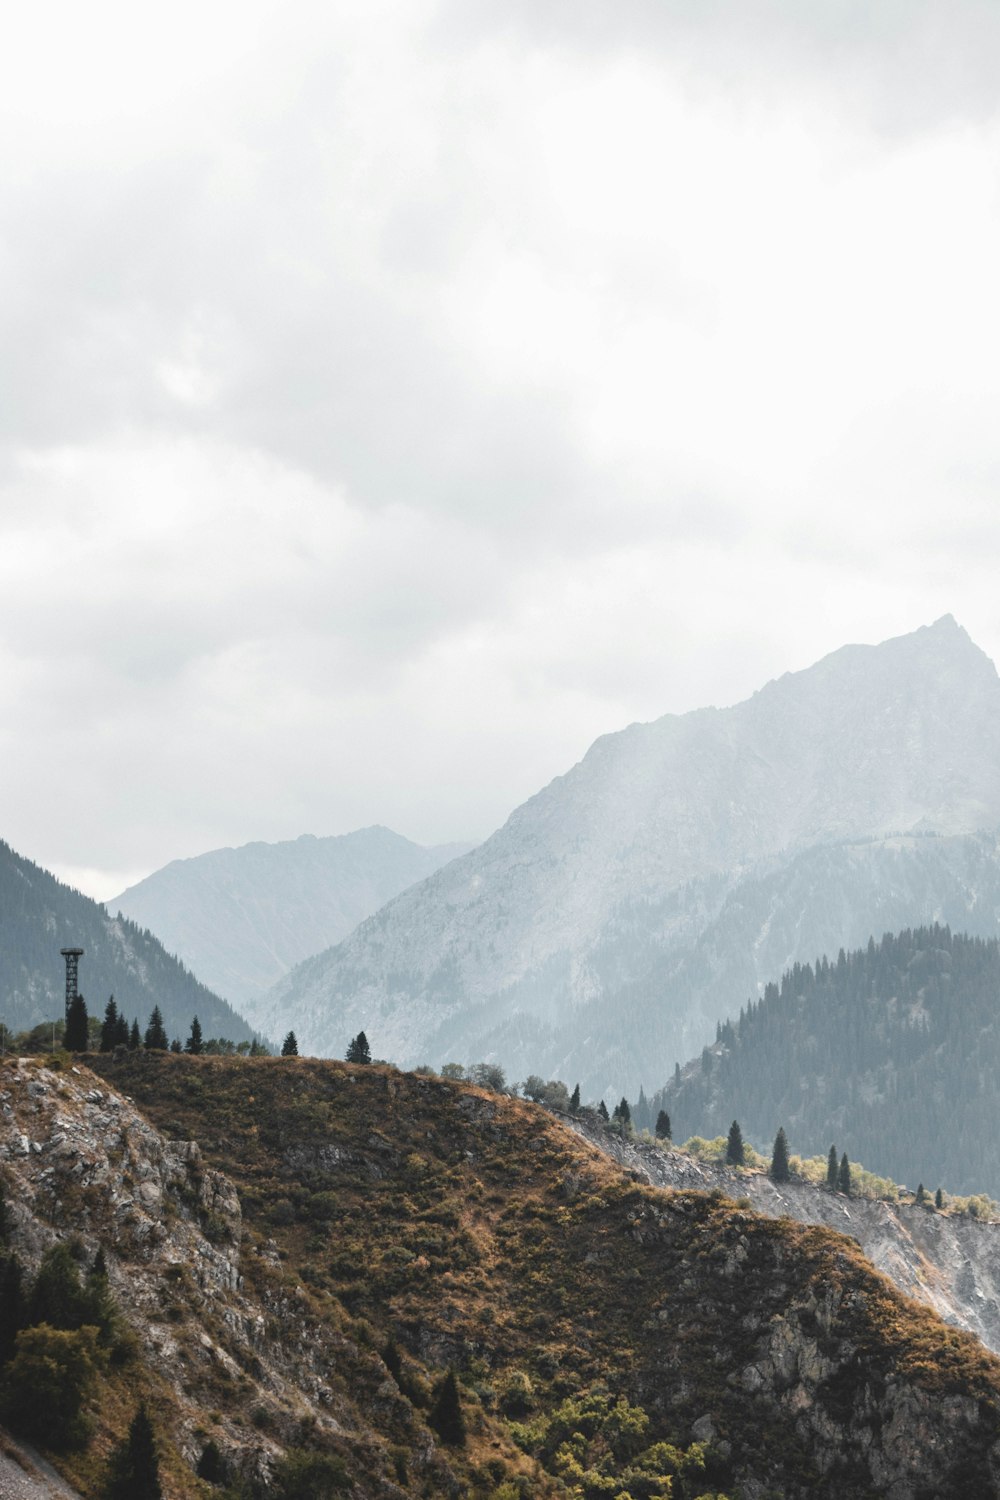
(109, 1026)
(574, 1100)
(832, 1169)
(663, 1126)
(921, 1195)
(939, 1199)
(57, 1296)
(134, 1470)
(257, 1049)
(211, 1465)
(156, 1036)
(445, 1415)
(844, 1176)
(175, 1046)
(134, 1036)
(602, 1110)
(734, 1146)
(122, 1032)
(622, 1113)
(358, 1050)
(779, 1158)
(290, 1047)
(392, 1361)
(75, 1036)
(13, 1306)
(193, 1045)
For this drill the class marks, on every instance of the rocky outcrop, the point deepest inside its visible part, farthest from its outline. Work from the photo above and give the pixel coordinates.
(216, 1317)
(445, 1226)
(950, 1263)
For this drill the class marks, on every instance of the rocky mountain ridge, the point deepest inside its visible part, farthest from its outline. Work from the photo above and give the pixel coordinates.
(476, 1231)
(950, 1263)
(617, 914)
(241, 918)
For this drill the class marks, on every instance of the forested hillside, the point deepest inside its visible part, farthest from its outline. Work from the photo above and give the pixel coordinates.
(891, 1052)
(39, 915)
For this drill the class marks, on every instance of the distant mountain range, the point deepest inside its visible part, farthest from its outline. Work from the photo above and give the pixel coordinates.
(681, 865)
(39, 915)
(891, 1052)
(241, 918)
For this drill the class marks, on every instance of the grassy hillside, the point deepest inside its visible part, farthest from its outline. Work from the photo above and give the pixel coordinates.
(590, 1319)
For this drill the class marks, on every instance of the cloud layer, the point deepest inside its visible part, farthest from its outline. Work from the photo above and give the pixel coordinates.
(396, 397)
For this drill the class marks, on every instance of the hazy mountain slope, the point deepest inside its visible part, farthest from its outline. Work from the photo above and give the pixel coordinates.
(479, 1233)
(602, 929)
(892, 1052)
(241, 918)
(39, 915)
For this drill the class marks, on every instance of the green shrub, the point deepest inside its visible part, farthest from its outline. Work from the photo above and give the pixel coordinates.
(47, 1383)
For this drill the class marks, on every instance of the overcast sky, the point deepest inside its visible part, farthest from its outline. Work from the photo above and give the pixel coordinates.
(396, 396)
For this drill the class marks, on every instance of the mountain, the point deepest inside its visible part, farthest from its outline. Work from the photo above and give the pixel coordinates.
(949, 1260)
(241, 918)
(303, 1249)
(39, 915)
(680, 865)
(892, 1051)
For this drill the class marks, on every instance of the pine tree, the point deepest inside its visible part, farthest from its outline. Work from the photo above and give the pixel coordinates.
(921, 1195)
(211, 1465)
(122, 1038)
(779, 1158)
(290, 1047)
(622, 1113)
(257, 1049)
(13, 1305)
(57, 1295)
(574, 1100)
(392, 1361)
(75, 1036)
(175, 1046)
(156, 1036)
(109, 1027)
(734, 1146)
(193, 1045)
(663, 1126)
(134, 1037)
(358, 1050)
(832, 1169)
(844, 1176)
(939, 1199)
(445, 1415)
(135, 1469)
(602, 1110)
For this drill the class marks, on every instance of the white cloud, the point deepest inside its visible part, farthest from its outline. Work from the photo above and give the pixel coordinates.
(395, 398)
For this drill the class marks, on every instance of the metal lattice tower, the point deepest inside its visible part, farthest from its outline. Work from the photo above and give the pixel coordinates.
(72, 957)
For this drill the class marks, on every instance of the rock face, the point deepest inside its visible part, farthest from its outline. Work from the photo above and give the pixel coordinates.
(481, 1233)
(79, 1161)
(951, 1264)
(600, 933)
(241, 918)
